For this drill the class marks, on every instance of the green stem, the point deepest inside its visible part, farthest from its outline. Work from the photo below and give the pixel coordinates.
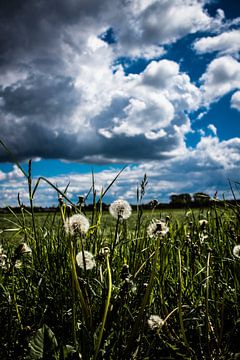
(180, 302)
(84, 307)
(207, 298)
(15, 301)
(137, 325)
(99, 340)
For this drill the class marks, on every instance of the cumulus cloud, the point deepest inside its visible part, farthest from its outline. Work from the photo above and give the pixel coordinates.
(235, 100)
(64, 91)
(221, 77)
(225, 43)
(212, 128)
(205, 168)
(100, 116)
(159, 22)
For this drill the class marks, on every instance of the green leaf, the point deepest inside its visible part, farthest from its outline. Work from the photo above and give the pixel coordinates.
(69, 353)
(44, 345)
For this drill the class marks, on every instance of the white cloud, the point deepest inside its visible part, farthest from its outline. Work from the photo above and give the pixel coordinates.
(205, 168)
(221, 77)
(159, 23)
(225, 43)
(235, 100)
(212, 128)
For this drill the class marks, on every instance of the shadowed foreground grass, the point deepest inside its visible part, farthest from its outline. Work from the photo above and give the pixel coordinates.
(136, 290)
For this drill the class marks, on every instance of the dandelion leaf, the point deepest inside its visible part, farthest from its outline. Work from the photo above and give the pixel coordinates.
(43, 345)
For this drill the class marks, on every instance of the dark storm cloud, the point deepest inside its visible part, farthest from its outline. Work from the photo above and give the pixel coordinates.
(51, 98)
(60, 96)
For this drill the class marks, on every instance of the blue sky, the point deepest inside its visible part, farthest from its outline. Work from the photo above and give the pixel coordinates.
(94, 86)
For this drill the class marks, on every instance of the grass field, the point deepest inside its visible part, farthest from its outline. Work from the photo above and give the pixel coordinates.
(145, 291)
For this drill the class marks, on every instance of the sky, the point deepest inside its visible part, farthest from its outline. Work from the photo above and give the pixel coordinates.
(88, 87)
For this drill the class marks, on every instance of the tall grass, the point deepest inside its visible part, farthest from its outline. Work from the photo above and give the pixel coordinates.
(52, 309)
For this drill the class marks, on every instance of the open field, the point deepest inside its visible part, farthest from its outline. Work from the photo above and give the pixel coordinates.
(185, 274)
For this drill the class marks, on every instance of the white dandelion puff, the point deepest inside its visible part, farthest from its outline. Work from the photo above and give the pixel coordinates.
(157, 228)
(1, 250)
(88, 258)
(3, 258)
(3, 261)
(77, 224)
(155, 322)
(22, 249)
(203, 222)
(236, 251)
(18, 264)
(120, 209)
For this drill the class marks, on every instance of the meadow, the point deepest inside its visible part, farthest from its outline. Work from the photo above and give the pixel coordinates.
(120, 285)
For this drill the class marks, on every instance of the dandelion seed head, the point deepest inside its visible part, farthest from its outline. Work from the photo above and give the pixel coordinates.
(203, 222)
(22, 249)
(18, 264)
(3, 260)
(155, 322)
(203, 237)
(105, 251)
(1, 250)
(88, 258)
(236, 251)
(120, 209)
(77, 224)
(157, 228)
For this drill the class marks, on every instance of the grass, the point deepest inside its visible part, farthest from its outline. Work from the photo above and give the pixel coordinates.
(52, 309)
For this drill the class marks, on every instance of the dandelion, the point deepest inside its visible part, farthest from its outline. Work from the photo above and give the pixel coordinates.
(18, 264)
(22, 249)
(236, 251)
(203, 222)
(157, 228)
(3, 258)
(120, 209)
(3, 261)
(155, 322)
(77, 224)
(87, 258)
(203, 237)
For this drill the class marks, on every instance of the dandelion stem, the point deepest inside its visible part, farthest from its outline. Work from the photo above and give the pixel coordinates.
(84, 307)
(180, 302)
(207, 298)
(144, 303)
(99, 340)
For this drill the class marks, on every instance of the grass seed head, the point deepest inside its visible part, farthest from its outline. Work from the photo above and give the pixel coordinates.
(120, 209)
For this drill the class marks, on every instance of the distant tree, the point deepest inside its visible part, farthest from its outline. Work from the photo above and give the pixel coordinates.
(180, 199)
(201, 198)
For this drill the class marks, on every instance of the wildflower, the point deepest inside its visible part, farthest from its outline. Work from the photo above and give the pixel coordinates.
(157, 228)
(155, 322)
(87, 258)
(120, 209)
(77, 224)
(236, 251)
(22, 249)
